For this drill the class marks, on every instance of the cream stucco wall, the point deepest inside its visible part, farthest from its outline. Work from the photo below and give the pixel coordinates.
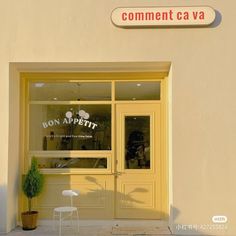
(203, 91)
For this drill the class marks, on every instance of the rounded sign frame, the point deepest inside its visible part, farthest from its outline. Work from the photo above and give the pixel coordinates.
(131, 17)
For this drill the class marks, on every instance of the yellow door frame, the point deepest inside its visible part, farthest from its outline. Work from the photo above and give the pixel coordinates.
(98, 77)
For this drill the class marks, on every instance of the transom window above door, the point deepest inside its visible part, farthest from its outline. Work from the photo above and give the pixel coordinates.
(138, 90)
(94, 91)
(70, 91)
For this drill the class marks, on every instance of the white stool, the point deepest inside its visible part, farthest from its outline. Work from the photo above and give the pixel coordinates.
(66, 212)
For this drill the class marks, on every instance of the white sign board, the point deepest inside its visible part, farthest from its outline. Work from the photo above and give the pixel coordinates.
(163, 16)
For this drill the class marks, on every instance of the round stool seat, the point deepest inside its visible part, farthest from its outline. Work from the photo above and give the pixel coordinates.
(65, 209)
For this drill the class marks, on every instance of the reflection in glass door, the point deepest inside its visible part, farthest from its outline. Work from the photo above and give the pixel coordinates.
(137, 141)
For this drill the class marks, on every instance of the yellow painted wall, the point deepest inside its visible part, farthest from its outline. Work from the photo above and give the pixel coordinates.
(203, 86)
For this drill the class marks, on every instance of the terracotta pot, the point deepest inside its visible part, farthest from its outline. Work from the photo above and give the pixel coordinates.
(29, 220)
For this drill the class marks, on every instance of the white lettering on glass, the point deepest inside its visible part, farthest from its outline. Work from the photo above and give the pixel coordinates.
(82, 121)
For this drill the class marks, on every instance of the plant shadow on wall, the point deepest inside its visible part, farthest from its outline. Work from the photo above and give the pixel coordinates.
(94, 203)
(134, 198)
(139, 199)
(129, 200)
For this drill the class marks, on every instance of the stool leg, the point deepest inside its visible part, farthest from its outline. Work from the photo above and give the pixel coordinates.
(77, 215)
(60, 224)
(71, 220)
(54, 218)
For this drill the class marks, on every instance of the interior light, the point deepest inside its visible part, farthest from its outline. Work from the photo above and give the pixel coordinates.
(138, 85)
(54, 99)
(133, 98)
(39, 85)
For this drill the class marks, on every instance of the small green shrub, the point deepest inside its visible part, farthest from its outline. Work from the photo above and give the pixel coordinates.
(32, 183)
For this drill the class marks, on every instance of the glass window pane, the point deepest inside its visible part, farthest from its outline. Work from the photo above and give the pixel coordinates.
(83, 91)
(137, 141)
(50, 163)
(137, 90)
(70, 127)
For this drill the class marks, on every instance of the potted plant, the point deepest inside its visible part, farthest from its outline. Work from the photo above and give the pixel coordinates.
(32, 186)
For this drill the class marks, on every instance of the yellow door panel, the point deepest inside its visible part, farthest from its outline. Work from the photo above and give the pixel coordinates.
(138, 161)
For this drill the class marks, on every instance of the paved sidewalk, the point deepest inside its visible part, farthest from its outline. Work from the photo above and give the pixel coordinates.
(106, 229)
(48, 231)
(84, 231)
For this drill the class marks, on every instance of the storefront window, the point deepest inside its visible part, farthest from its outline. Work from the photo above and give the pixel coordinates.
(137, 141)
(70, 124)
(60, 163)
(138, 90)
(70, 127)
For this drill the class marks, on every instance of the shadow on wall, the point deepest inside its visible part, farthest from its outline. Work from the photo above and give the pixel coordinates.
(178, 229)
(97, 193)
(127, 198)
(195, 229)
(217, 21)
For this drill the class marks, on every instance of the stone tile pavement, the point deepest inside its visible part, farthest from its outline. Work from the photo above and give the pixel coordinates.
(84, 231)
(124, 228)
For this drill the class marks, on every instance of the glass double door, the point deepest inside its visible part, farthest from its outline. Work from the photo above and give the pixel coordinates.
(138, 161)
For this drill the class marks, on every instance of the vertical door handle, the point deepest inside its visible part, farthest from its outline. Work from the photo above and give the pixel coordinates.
(117, 173)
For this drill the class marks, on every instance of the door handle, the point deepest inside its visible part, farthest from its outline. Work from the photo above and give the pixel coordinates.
(117, 173)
